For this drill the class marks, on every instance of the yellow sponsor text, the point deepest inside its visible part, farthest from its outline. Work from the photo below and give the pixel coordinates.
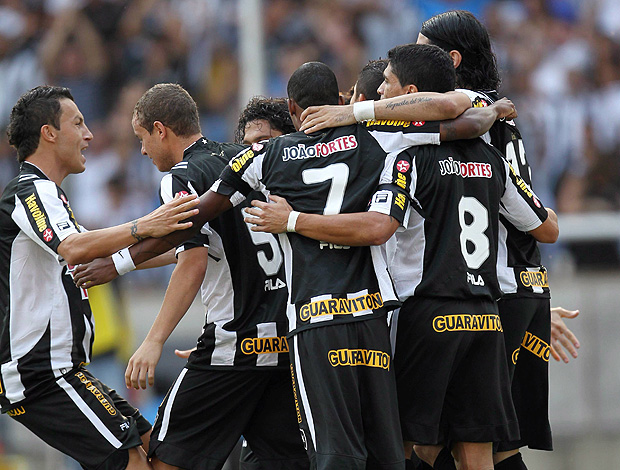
(97, 393)
(385, 122)
(274, 344)
(359, 357)
(534, 278)
(340, 306)
(295, 395)
(16, 412)
(37, 215)
(467, 322)
(238, 163)
(536, 346)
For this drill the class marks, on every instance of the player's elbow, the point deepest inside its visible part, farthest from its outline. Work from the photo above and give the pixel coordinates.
(379, 229)
(451, 108)
(74, 253)
(548, 232)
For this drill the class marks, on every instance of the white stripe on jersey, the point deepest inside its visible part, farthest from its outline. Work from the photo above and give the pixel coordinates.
(267, 330)
(287, 251)
(355, 295)
(89, 413)
(225, 346)
(20, 217)
(396, 142)
(301, 390)
(165, 421)
(61, 334)
(505, 274)
(536, 289)
(13, 386)
(394, 330)
(514, 207)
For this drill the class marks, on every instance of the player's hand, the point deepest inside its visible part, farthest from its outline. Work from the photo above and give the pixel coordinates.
(167, 218)
(505, 109)
(562, 336)
(269, 217)
(141, 366)
(98, 271)
(184, 354)
(316, 118)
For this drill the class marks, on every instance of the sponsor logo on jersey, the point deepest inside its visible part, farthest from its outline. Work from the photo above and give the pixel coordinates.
(332, 246)
(182, 193)
(476, 281)
(124, 426)
(95, 391)
(362, 303)
(257, 147)
(272, 344)
(64, 199)
(16, 412)
(400, 201)
(390, 122)
(274, 284)
(536, 202)
(401, 180)
(536, 346)
(321, 149)
(403, 166)
(63, 226)
(238, 162)
(479, 102)
(515, 355)
(294, 382)
(465, 169)
(467, 322)
(522, 185)
(48, 234)
(37, 214)
(359, 357)
(534, 278)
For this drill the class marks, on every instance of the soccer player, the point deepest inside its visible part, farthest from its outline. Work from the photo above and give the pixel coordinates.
(237, 381)
(46, 322)
(339, 344)
(368, 81)
(262, 119)
(446, 257)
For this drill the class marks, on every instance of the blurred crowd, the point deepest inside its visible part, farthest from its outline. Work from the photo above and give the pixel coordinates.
(560, 63)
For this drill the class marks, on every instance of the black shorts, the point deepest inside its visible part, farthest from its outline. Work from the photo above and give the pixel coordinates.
(345, 396)
(206, 412)
(83, 418)
(527, 331)
(451, 372)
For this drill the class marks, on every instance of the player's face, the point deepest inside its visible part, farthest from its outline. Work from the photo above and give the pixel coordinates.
(73, 137)
(258, 130)
(390, 87)
(152, 146)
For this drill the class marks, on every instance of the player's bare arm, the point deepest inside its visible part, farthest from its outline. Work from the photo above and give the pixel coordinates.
(563, 340)
(210, 206)
(549, 230)
(85, 246)
(182, 288)
(474, 122)
(423, 106)
(341, 229)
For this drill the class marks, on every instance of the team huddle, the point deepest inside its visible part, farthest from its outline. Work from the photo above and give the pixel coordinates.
(374, 293)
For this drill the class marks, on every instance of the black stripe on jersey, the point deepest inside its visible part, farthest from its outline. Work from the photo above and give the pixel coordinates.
(39, 221)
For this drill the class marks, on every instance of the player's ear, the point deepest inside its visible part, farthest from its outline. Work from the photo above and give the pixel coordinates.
(340, 100)
(48, 133)
(361, 97)
(159, 127)
(412, 88)
(291, 106)
(456, 57)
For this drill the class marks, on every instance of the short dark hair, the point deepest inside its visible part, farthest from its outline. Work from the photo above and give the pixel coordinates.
(170, 104)
(273, 110)
(460, 30)
(370, 78)
(34, 109)
(428, 67)
(313, 84)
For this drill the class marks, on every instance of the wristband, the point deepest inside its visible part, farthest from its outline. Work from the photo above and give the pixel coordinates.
(123, 262)
(364, 110)
(292, 221)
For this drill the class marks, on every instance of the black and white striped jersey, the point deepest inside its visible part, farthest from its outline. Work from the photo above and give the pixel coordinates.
(46, 322)
(519, 266)
(244, 290)
(331, 172)
(457, 192)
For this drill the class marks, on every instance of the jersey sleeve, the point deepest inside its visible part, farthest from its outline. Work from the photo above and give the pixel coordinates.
(519, 204)
(393, 194)
(242, 174)
(395, 136)
(178, 182)
(43, 215)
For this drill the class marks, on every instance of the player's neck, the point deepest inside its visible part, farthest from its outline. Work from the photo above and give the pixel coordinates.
(48, 165)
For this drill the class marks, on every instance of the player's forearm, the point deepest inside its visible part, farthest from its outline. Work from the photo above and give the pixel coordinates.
(471, 124)
(549, 230)
(162, 260)
(184, 285)
(358, 229)
(424, 106)
(84, 247)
